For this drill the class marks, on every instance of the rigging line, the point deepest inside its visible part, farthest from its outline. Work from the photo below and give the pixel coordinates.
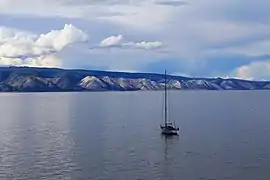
(162, 103)
(168, 97)
(165, 109)
(162, 106)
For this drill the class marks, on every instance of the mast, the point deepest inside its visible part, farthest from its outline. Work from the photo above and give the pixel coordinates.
(165, 98)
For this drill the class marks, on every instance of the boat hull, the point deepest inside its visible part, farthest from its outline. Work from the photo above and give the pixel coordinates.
(169, 132)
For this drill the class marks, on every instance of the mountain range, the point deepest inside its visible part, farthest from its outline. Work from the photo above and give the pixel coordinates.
(29, 79)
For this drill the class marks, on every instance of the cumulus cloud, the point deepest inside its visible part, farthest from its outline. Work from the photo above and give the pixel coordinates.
(10, 34)
(19, 47)
(59, 39)
(41, 61)
(16, 49)
(117, 41)
(10, 61)
(254, 71)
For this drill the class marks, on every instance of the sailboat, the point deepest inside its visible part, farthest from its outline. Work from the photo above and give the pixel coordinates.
(167, 128)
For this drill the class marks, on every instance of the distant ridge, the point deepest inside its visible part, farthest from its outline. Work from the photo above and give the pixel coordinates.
(29, 79)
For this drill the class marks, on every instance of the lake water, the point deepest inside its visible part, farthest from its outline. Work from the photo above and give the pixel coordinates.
(116, 135)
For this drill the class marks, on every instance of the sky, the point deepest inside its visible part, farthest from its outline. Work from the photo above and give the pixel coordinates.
(209, 38)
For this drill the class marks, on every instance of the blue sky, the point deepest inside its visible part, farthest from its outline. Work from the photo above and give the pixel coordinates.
(197, 38)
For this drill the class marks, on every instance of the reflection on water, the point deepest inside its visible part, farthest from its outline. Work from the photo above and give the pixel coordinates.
(35, 140)
(169, 161)
(115, 135)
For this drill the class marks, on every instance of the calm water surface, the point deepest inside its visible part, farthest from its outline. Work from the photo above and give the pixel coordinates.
(224, 135)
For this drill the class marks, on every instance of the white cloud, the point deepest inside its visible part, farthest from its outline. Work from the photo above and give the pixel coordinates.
(41, 61)
(254, 71)
(111, 41)
(16, 49)
(59, 39)
(10, 61)
(145, 45)
(117, 41)
(10, 34)
(19, 47)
